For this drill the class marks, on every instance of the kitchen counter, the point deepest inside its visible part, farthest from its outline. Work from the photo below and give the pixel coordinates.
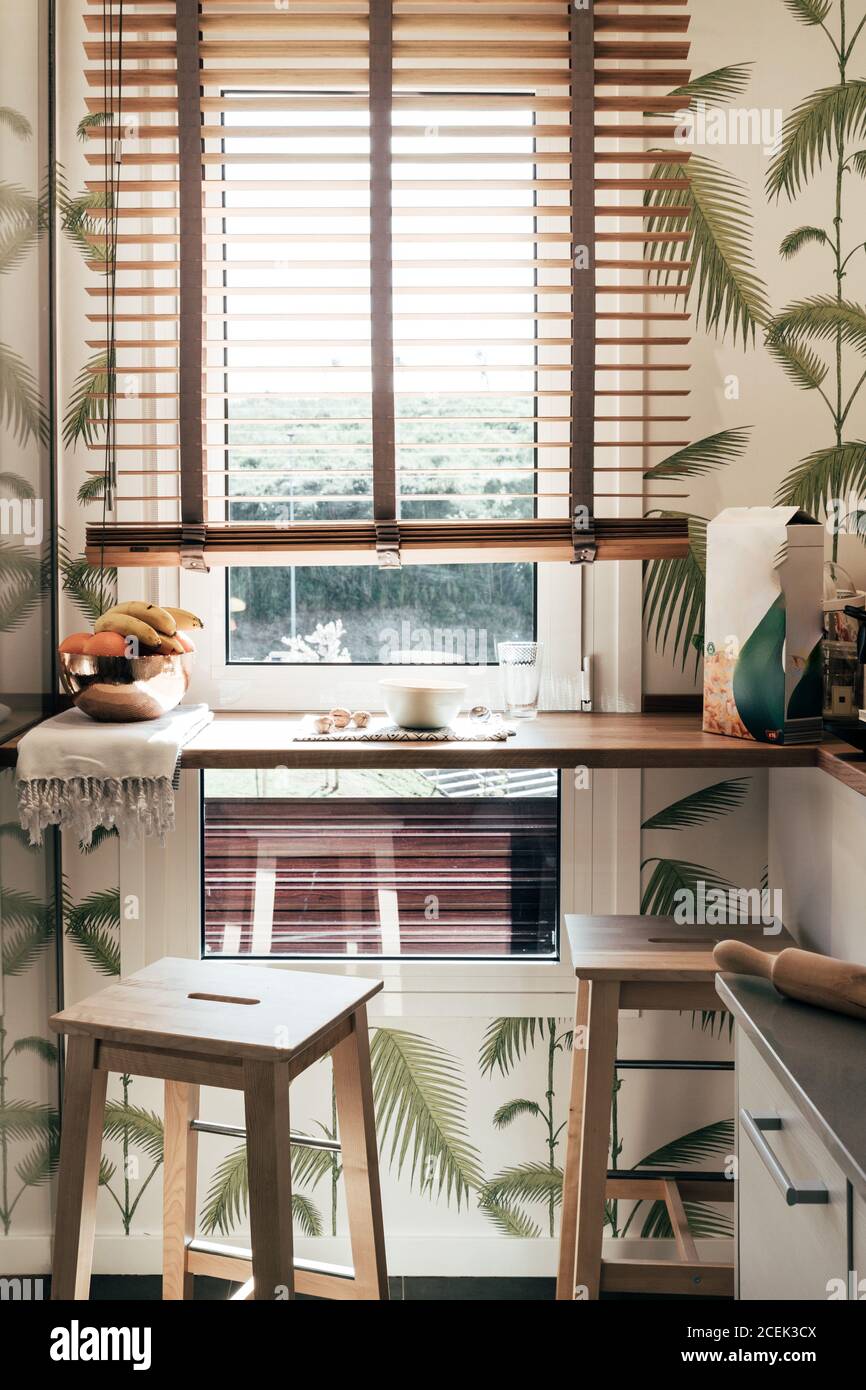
(248, 740)
(818, 1057)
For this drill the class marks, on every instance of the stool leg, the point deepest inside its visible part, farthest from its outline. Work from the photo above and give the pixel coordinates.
(353, 1086)
(571, 1175)
(78, 1173)
(602, 1024)
(180, 1150)
(266, 1103)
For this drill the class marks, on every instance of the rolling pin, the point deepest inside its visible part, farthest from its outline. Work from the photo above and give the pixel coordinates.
(839, 985)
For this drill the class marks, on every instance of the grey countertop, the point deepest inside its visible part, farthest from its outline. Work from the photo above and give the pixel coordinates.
(820, 1059)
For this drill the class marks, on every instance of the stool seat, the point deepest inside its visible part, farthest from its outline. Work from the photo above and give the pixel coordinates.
(657, 949)
(218, 1009)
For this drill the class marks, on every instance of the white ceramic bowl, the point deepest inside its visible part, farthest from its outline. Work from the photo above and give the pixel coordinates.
(421, 703)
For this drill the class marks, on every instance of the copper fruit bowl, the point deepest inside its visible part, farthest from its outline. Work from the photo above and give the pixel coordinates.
(120, 689)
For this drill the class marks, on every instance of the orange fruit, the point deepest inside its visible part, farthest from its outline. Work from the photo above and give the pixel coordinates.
(75, 643)
(106, 644)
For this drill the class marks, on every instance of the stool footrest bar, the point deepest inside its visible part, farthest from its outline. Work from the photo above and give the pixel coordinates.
(234, 1262)
(300, 1141)
(660, 1064)
(667, 1175)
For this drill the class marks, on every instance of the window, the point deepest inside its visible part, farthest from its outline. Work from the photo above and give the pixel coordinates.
(426, 615)
(406, 215)
(398, 864)
(466, 406)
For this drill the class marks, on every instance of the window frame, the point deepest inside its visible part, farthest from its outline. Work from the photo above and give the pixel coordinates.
(290, 686)
(303, 960)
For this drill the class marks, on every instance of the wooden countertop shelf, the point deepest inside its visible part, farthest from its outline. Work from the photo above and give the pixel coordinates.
(567, 740)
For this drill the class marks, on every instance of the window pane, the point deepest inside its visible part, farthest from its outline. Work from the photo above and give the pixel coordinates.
(446, 864)
(358, 613)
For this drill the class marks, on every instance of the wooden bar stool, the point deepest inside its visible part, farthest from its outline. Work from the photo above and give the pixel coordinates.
(634, 963)
(247, 1028)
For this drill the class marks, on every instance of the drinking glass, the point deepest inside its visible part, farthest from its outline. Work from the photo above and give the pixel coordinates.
(520, 665)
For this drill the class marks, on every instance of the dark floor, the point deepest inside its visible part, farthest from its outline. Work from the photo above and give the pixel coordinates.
(148, 1288)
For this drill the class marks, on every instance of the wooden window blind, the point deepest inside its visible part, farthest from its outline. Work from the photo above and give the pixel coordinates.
(378, 278)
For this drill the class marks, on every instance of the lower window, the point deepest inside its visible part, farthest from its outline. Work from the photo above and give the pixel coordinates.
(456, 864)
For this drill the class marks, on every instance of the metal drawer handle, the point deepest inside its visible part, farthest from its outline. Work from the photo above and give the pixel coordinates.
(795, 1194)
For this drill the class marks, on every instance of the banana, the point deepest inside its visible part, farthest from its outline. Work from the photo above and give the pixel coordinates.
(150, 613)
(128, 627)
(185, 620)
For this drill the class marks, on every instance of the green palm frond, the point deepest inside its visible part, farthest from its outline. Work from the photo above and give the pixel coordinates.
(13, 121)
(17, 486)
(512, 1109)
(94, 925)
(716, 88)
(703, 455)
(821, 317)
(674, 594)
(510, 1220)
(716, 1022)
(91, 490)
(527, 1182)
(800, 364)
(802, 236)
(40, 1164)
(94, 120)
(858, 163)
(228, 1198)
(91, 589)
(505, 1042)
(20, 403)
(140, 1127)
(828, 473)
(18, 207)
(672, 877)
(40, 1047)
(809, 11)
(705, 1222)
(306, 1215)
(106, 1171)
(811, 131)
(24, 577)
(706, 804)
(693, 1148)
(101, 834)
(730, 295)
(420, 1103)
(86, 411)
(16, 245)
(11, 830)
(25, 1119)
(309, 1166)
(82, 218)
(32, 929)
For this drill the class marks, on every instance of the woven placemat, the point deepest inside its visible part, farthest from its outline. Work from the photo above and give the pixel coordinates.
(380, 731)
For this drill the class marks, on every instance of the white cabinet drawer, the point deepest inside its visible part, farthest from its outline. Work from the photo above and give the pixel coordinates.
(783, 1251)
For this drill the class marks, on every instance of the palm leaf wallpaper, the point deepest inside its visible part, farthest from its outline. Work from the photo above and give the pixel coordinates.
(470, 1112)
